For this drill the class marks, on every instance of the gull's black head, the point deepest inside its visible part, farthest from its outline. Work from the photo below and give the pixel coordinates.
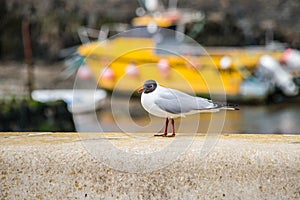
(149, 86)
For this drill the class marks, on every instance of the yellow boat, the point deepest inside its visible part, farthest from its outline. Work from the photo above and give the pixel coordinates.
(152, 50)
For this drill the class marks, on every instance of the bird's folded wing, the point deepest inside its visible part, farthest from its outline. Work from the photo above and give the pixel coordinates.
(176, 102)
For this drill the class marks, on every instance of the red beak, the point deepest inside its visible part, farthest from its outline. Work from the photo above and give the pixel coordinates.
(141, 90)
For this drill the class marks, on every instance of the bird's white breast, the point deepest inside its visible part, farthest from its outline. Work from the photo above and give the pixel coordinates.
(148, 102)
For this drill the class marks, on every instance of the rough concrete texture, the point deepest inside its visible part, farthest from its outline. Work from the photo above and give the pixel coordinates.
(63, 166)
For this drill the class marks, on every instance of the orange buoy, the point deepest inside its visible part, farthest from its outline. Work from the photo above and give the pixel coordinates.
(84, 72)
(164, 67)
(132, 70)
(107, 73)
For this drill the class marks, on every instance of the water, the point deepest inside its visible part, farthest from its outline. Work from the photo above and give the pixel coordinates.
(282, 118)
(130, 117)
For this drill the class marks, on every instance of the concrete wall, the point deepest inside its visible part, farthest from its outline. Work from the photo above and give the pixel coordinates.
(139, 166)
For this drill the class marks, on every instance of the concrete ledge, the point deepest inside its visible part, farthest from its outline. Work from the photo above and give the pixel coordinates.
(61, 166)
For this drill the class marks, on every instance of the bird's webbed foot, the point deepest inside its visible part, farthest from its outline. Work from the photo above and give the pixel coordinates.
(161, 135)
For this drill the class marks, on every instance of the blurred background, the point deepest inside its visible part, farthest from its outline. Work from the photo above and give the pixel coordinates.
(48, 48)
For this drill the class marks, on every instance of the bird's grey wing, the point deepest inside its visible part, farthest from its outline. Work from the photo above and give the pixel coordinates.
(177, 102)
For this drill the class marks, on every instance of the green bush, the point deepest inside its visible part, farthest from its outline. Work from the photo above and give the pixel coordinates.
(28, 115)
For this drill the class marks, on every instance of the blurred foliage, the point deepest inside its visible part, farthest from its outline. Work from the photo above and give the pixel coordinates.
(214, 32)
(54, 23)
(28, 115)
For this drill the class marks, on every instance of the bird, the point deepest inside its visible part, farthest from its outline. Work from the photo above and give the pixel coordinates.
(171, 103)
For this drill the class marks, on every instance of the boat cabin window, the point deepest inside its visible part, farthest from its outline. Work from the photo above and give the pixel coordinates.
(173, 46)
(138, 32)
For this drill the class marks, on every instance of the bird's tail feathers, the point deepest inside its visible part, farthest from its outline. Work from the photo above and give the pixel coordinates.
(227, 106)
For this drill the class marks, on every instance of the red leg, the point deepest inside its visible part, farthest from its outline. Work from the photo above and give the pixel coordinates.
(173, 129)
(166, 126)
(166, 129)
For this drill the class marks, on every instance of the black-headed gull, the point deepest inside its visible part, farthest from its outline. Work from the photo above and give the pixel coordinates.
(170, 103)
